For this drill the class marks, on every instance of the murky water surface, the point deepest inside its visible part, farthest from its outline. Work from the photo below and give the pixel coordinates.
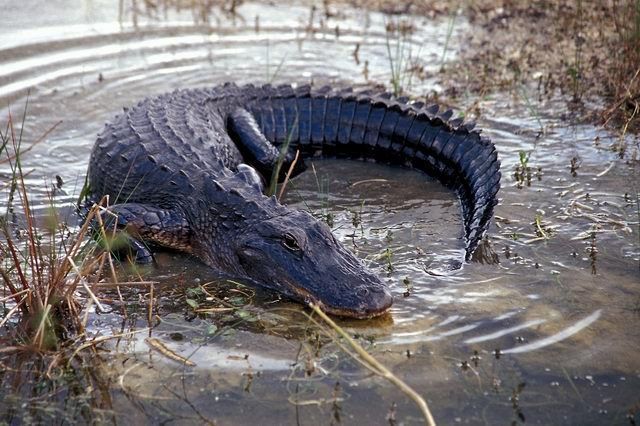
(549, 335)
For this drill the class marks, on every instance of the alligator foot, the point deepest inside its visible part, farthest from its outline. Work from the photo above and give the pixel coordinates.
(257, 150)
(128, 230)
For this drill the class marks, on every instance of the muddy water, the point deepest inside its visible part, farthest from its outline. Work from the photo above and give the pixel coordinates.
(548, 335)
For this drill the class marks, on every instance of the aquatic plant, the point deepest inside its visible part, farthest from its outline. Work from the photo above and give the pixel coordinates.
(270, 77)
(44, 263)
(402, 59)
(450, 26)
(275, 175)
(40, 270)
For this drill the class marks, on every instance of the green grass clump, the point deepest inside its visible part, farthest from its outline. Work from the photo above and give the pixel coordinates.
(42, 260)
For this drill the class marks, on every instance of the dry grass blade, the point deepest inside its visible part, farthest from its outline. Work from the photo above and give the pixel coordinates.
(377, 367)
(11, 312)
(83, 281)
(164, 350)
(288, 175)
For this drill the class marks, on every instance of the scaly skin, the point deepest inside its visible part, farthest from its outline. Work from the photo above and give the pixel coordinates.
(174, 167)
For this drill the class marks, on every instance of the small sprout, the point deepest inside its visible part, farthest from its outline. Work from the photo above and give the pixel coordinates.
(355, 219)
(249, 375)
(408, 287)
(336, 409)
(391, 415)
(309, 366)
(524, 159)
(329, 219)
(476, 358)
(176, 337)
(522, 173)
(388, 256)
(542, 230)
(592, 251)
(515, 401)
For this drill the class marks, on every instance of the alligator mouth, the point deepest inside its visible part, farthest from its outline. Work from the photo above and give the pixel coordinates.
(310, 300)
(301, 295)
(348, 313)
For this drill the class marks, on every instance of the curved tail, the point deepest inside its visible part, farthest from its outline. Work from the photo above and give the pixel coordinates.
(366, 125)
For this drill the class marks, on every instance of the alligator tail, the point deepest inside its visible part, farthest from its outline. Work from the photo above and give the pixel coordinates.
(365, 125)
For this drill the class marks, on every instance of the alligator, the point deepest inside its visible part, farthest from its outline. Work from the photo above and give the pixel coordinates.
(186, 170)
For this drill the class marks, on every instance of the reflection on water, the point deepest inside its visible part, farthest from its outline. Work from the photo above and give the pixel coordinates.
(559, 313)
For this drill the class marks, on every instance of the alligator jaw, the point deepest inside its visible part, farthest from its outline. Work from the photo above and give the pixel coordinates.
(345, 313)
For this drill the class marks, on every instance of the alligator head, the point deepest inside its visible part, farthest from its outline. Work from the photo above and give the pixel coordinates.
(273, 246)
(297, 255)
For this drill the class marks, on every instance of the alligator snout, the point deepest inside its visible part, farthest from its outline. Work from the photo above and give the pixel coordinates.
(370, 302)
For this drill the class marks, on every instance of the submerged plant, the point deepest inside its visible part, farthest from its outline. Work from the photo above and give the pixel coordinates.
(522, 173)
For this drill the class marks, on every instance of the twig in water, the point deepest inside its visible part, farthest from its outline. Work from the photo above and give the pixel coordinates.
(380, 369)
(288, 175)
(164, 350)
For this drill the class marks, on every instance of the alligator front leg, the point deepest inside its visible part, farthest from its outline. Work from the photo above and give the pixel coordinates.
(131, 228)
(256, 149)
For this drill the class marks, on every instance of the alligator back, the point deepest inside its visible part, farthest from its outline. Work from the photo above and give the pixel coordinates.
(172, 166)
(362, 125)
(158, 151)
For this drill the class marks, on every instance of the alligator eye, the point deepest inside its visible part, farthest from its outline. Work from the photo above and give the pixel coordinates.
(290, 242)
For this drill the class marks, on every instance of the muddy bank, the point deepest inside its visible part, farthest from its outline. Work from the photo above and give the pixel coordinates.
(586, 51)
